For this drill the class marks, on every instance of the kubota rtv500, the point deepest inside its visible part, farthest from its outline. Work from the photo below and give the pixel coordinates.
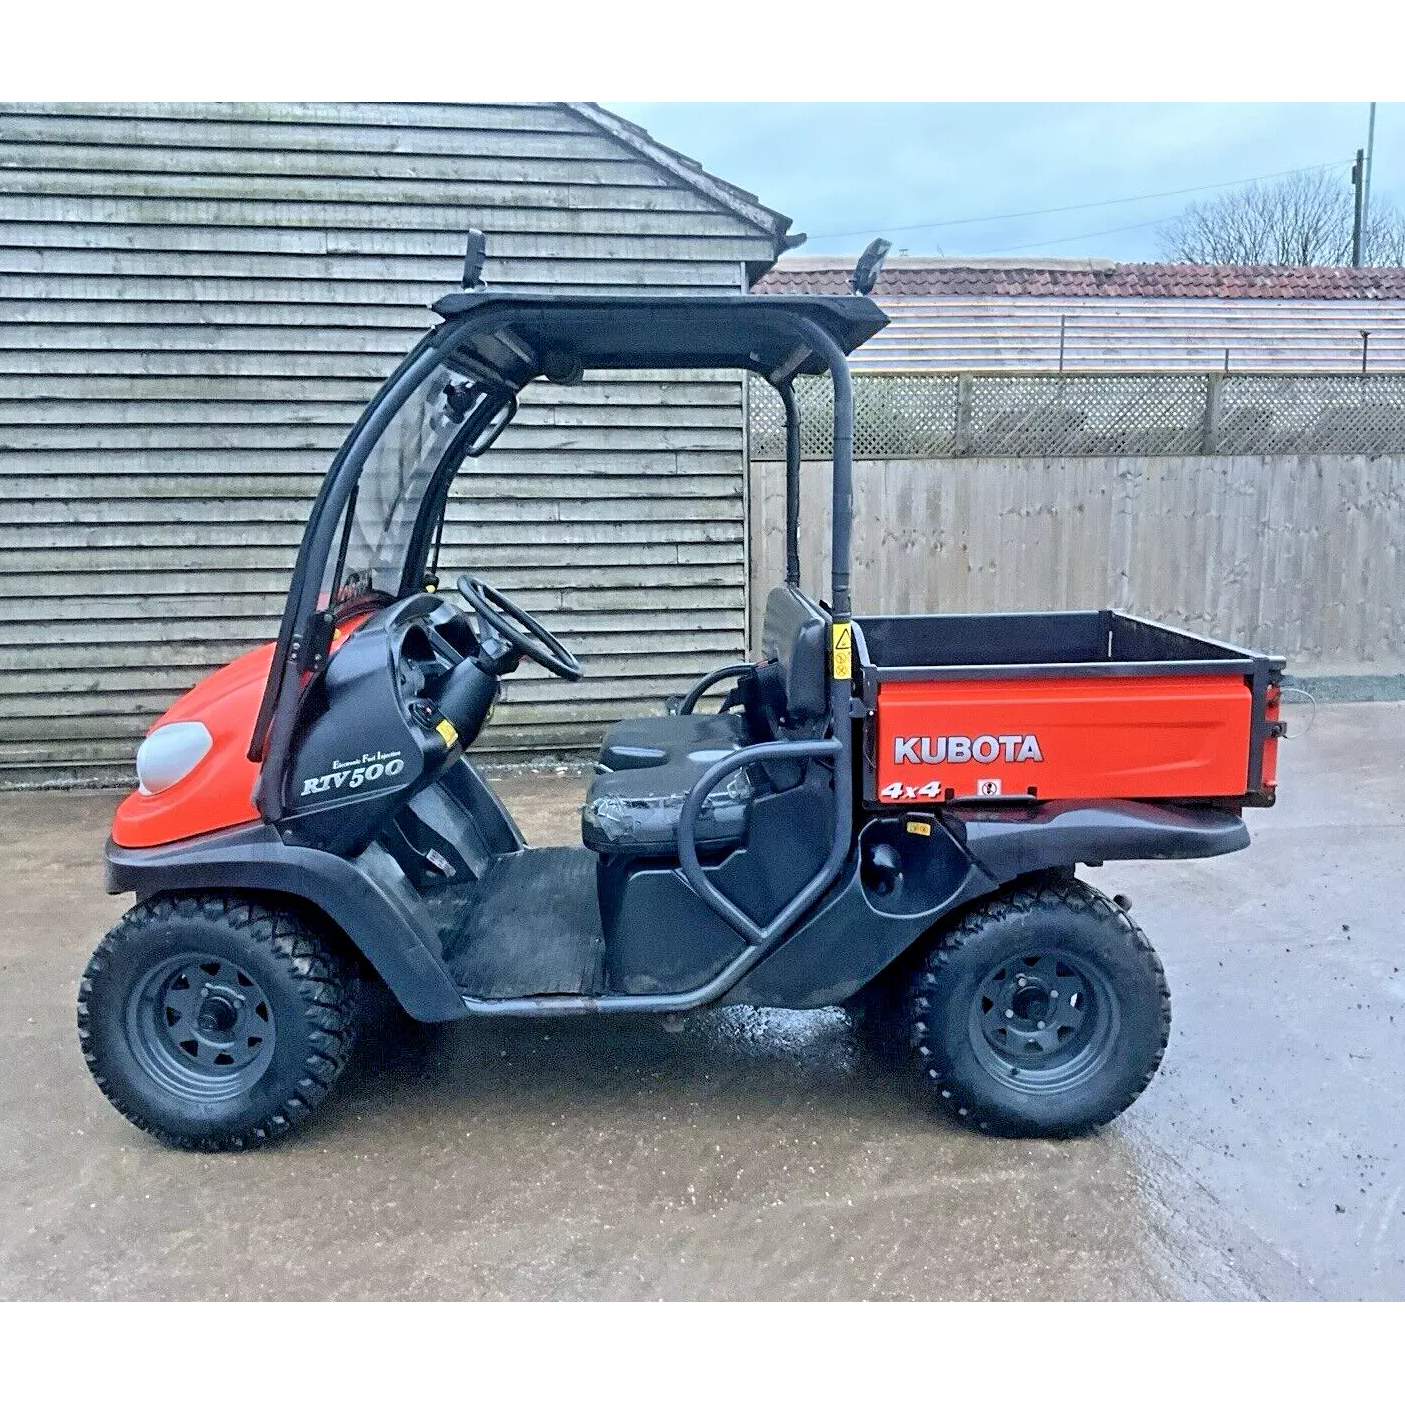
(887, 812)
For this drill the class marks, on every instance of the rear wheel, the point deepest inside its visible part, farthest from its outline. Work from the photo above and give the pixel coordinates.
(214, 1023)
(1043, 1012)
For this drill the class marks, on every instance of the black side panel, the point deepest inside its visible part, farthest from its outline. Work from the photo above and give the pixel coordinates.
(1067, 832)
(495, 824)
(661, 938)
(931, 641)
(873, 917)
(365, 738)
(1032, 639)
(369, 899)
(435, 840)
(1142, 641)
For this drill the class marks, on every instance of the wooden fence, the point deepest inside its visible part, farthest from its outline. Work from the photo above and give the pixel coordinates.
(1302, 554)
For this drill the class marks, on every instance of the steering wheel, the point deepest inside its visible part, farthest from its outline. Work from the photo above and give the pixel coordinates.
(499, 617)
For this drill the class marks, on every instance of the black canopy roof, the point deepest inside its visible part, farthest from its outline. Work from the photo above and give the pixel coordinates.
(529, 334)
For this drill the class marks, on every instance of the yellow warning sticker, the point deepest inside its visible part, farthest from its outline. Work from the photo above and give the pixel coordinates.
(841, 650)
(447, 730)
(919, 827)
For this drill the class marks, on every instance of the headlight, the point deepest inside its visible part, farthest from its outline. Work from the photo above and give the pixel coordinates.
(170, 754)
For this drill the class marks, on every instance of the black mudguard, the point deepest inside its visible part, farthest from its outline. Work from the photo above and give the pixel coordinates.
(1010, 843)
(369, 898)
(858, 932)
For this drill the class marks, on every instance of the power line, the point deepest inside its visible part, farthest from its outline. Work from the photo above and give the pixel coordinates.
(1064, 209)
(1071, 238)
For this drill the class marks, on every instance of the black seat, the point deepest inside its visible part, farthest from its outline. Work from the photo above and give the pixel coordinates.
(638, 742)
(634, 807)
(793, 639)
(649, 764)
(637, 812)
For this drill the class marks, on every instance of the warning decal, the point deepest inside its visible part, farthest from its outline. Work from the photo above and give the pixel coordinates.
(841, 649)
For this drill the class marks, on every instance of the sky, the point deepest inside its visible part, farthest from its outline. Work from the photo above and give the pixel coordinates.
(846, 172)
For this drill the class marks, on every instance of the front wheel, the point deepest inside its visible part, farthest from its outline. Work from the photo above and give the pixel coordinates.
(215, 1023)
(1043, 1012)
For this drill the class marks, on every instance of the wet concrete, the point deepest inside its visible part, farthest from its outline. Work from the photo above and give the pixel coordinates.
(762, 1154)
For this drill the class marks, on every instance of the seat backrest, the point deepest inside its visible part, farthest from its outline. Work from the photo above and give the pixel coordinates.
(793, 635)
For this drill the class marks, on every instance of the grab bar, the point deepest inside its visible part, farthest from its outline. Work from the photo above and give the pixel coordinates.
(708, 891)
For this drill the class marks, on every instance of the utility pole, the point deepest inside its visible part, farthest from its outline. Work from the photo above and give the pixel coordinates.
(1358, 182)
(1366, 183)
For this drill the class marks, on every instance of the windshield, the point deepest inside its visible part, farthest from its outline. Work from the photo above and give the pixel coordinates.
(447, 416)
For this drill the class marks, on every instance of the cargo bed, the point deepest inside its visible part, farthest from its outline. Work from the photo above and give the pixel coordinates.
(1090, 704)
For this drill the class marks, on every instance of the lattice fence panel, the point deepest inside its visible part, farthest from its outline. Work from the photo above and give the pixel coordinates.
(1014, 415)
(898, 417)
(995, 416)
(1311, 414)
(895, 417)
(816, 401)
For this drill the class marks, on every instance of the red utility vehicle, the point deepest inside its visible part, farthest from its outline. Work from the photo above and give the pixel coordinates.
(887, 812)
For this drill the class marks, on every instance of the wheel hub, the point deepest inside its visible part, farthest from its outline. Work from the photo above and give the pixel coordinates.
(219, 1014)
(1032, 1004)
(1042, 1019)
(202, 1026)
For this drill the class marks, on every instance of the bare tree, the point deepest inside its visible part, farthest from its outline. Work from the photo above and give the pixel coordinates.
(1384, 243)
(1302, 218)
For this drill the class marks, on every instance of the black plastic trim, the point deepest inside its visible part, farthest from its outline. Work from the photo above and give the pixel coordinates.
(368, 898)
(965, 673)
(1059, 833)
(751, 931)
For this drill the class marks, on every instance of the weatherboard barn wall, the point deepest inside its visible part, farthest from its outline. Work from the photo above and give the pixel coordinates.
(196, 301)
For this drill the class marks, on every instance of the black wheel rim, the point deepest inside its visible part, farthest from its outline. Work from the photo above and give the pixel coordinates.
(201, 1027)
(1044, 1021)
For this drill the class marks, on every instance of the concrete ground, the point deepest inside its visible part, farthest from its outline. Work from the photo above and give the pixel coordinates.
(762, 1155)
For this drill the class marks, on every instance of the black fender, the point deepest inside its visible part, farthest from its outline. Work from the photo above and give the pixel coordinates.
(369, 898)
(1011, 843)
(858, 932)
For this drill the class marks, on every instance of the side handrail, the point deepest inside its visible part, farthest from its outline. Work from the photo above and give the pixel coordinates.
(753, 933)
(709, 680)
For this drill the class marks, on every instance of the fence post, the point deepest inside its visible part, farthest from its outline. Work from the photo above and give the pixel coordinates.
(1213, 394)
(963, 414)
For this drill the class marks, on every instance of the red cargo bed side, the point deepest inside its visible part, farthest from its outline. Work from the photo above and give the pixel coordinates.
(1161, 737)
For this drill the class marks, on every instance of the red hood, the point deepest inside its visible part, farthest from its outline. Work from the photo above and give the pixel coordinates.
(218, 793)
(219, 689)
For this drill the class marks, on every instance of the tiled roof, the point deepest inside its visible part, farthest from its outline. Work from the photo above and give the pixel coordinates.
(1090, 278)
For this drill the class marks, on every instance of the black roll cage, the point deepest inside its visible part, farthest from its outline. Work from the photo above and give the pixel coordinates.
(512, 339)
